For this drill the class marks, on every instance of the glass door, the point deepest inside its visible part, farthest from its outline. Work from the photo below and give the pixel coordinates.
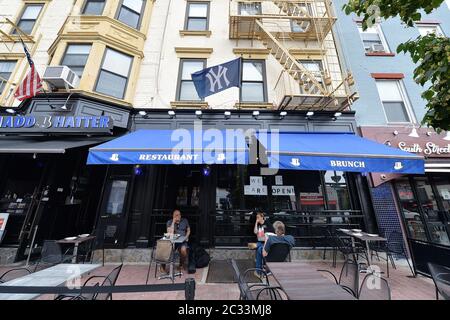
(442, 190)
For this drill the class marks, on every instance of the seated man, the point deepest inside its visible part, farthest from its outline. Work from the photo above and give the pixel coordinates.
(179, 225)
(279, 237)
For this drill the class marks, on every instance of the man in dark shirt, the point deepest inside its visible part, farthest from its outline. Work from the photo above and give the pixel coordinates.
(280, 237)
(179, 225)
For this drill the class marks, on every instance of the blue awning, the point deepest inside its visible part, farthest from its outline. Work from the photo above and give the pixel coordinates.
(336, 151)
(179, 146)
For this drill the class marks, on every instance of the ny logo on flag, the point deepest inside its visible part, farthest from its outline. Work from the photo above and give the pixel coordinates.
(215, 79)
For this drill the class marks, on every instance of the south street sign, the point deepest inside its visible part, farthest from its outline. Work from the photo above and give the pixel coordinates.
(56, 124)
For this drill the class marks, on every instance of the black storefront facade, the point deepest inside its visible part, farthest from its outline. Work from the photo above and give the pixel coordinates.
(139, 199)
(46, 187)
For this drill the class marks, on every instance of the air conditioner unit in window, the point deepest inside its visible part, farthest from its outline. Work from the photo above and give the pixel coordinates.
(377, 48)
(61, 77)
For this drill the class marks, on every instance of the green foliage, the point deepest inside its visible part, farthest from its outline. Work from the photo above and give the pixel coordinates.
(430, 53)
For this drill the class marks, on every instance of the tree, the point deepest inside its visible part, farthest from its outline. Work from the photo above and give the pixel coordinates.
(431, 53)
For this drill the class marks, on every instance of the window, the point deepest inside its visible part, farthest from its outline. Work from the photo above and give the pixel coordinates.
(249, 8)
(6, 68)
(315, 67)
(302, 26)
(253, 87)
(114, 74)
(94, 7)
(197, 16)
(394, 101)
(130, 12)
(373, 39)
(427, 28)
(76, 57)
(116, 199)
(186, 89)
(28, 19)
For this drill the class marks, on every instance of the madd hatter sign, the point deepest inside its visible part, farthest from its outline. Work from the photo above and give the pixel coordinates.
(56, 124)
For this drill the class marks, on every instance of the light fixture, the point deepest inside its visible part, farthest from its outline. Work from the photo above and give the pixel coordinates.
(199, 113)
(413, 133)
(171, 114)
(429, 133)
(388, 143)
(310, 113)
(227, 114)
(283, 114)
(11, 111)
(395, 133)
(337, 114)
(64, 107)
(142, 113)
(255, 114)
(138, 170)
(206, 171)
(34, 155)
(447, 136)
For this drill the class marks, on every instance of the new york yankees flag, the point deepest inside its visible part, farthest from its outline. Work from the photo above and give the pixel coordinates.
(218, 78)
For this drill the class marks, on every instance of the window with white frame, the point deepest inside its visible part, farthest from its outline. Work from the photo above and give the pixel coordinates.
(373, 39)
(76, 57)
(30, 14)
(185, 89)
(302, 25)
(250, 8)
(6, 69)
(427, 28)
(130, 12)
(114, 73)
(197, 16)
(315, 67)
(94, 7)
(395, 102)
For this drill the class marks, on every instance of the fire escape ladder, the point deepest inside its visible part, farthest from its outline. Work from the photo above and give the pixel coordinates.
(301, 75)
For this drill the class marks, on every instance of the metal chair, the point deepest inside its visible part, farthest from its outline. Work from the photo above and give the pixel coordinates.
(441, 279)
(247, 288)
(278, 252)
(378, 290)
(348, 278)
(51, 254)
(271, 293)
(164, 254)
(109, 280)
(350, 249)
(13, 274)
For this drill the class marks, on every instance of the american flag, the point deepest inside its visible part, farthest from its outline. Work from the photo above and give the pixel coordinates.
(32, 83)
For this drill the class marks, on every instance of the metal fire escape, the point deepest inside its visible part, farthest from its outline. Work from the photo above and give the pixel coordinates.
(284, 26)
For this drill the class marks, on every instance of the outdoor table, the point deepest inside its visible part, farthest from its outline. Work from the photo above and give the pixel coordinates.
(174, 241)
(76, 242)
(301, 281)
(50, 277)
(363, 236)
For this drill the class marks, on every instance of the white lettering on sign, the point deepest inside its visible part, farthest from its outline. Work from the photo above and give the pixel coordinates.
(283, 191)
(429, 149)
(256, 181)
(347, 164)
(254, 190)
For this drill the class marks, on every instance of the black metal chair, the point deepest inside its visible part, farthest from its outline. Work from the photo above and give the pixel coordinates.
(350, 249)
(374, 287)
(51, 255)
(278, 252)
(441, 279)
(247, 288)
(13, 274)
(109, 280)
(348, 278)
(271, 293)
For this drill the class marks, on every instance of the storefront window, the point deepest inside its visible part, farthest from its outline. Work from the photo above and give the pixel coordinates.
(411, 211)
(116, 198)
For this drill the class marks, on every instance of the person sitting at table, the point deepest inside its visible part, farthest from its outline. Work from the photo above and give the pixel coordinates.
(279, 237)
(179, 225)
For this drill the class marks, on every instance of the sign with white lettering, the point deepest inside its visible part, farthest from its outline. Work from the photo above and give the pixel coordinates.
(430, 148)
(56, 124)
(255, 190)
(283, 191)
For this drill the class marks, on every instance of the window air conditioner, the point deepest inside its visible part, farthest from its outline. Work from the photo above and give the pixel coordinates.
(61, 77)
(377, 48)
